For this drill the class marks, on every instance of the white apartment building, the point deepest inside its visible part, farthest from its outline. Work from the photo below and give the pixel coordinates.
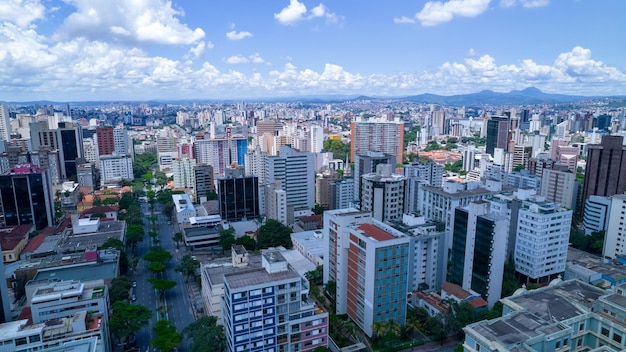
(90, 149)
(5, 123)
(597, 212)
(559, 186)
(297, 174)
(276, 202)
(184, 176)
(183, 207)
(542, 239)
(114, 168)
(317, 138)
(382, 193)
(615, 238)
(64, 299)
(121, 142)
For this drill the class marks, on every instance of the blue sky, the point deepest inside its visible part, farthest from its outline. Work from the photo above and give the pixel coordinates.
(73, 50)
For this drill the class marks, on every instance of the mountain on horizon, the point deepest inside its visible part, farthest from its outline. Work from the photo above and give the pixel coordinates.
(528, 96)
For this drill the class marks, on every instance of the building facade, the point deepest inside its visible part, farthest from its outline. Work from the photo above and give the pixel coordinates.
(26, 193)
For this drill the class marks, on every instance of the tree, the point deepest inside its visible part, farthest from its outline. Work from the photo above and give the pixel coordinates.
(248, 242)
(128, 319)
(156, 267)
(331, 288)
(161, 285)
(518, 168)
(274, 234)
(124, 182)
(178, 236)
(157, 254)
(318, 209)
(134, 234)
(118, 291)
(227, 239)
(207, 335)
(188, 266)
(315, 276)
(112, 243)
(166, 336)
(211, 195)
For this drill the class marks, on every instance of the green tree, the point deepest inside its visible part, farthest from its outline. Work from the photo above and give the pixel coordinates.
(166, 336)
(156, 267)
(206, 334)
(518, 168)
(315, 276)
(188, 266)
(211, 195)
(178, 236)
(248, 242)
(112, 243)
(318, 209)
(227, 238)
(124, 182)
(134, 234)
(162, 285)
(274, 234)
(157, 254)
(432, 146)
(118, 290)
(454, 167)
(128, 319)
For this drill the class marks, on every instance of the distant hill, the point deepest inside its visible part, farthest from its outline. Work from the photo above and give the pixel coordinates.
(528, 96)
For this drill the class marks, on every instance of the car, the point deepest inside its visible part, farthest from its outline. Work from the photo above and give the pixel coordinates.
(134, 283)
(133, 298)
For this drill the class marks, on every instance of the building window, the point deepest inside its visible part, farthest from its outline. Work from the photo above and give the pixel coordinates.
(604, 331)
(617, 338)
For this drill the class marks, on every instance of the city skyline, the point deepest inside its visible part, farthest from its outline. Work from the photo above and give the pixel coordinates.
(156, 49)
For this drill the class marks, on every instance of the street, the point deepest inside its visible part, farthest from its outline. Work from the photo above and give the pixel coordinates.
(176, 299)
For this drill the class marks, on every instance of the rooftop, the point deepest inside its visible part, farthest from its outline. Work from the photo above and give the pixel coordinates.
(258, 277)
(376, 233)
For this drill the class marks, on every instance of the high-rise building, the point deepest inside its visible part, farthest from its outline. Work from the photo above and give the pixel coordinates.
(382, 193)
(377, 135)
(276, 202)
(267, 309)
(5, 304)
(605, 173)
(344, 193)
(5, 123)
(559, 186)
(184, 172)
(26, 193)
(615, 238)
(317, 138)
(417, 174)
(203, 180)
(469, 158)
(296, 171)
(221, 152)
(366, 163)
(541, 241)
(479, 249)
(238, 195)
(597, 212)
(497, 133)
(71, 143)
(106, 142)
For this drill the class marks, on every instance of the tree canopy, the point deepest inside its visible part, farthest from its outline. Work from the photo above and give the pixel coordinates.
(128, 318)
(207, 335)
(162, 285)
(157, 254)
(188, 265)
(118, 291)
(273, 234)
(166, 336)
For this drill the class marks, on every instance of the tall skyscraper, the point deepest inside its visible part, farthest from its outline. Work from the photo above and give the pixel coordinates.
(605, 173)
(26, 193)
(71, 143)
(106, 142)
(479, 249)
(296, 171)
(5, 123)
(497, 133)
(377, 135)
(203, 180)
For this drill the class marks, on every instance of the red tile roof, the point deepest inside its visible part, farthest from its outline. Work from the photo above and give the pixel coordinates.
(455, 290)
(100, 209)
(478, 302)
(376, 233)
(35, 242)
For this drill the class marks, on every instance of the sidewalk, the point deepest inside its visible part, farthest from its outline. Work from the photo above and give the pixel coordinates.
(448, 345)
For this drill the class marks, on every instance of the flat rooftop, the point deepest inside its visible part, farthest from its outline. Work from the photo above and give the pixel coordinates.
(258, 277)
(561, 302)
(87, 272)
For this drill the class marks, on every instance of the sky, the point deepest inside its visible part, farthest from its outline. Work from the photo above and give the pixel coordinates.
(95, 50)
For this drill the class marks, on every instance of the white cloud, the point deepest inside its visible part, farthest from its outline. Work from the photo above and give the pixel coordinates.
(21, 12)
(297, 11)
(151, 21)
(234, 35)
(524, 3)
(291, 14)
(240, 59)
(437, 12)
(198, 51)
(403, 19)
